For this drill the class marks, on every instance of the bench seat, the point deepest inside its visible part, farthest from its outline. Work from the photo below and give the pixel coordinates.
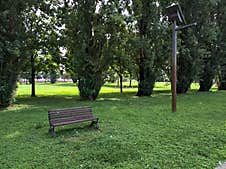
(60, 117)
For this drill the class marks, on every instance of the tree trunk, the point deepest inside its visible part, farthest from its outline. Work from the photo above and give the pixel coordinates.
(205, 86)
(222, 86)
(141, 75)
(183, 88)
(32, 76)
(222, 79)
(130, 80)
(206, 81)
(118, 83)
(120, 77)
(185, 74)
(146, 77)
(7, 87)
(89, 85)
(208, 73)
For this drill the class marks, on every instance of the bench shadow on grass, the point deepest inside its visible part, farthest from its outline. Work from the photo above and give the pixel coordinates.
(74, 130)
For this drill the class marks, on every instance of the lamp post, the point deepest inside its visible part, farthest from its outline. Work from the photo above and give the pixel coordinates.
(175, 15)
(174, 68)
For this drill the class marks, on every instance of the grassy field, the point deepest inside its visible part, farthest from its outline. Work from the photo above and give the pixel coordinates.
(134, 132)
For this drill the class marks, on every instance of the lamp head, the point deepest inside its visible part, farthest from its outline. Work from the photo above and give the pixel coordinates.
(175, 13)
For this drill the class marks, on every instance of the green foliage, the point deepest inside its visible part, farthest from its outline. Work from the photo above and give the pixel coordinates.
(198, 51)
(151, 43)
(208, 73)
(7, 92)
(122, 63)
(207, 37)
(188, 57)
(12, 46)
(132, 38)
(90, 28)
(42, 40)
(221, 22)
(53, 77)
(89, 86)
(135, 132)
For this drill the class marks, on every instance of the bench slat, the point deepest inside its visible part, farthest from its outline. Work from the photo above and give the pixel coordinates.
(66, 111)
(71, 118)
(55, 112)
(69, 109)
(70, 122)
(59, 115)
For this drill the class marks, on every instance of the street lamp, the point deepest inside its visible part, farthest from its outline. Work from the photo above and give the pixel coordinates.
(175, 15)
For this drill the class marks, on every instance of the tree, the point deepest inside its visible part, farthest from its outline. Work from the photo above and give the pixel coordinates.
(90, 25)
(121, 66)
(188, 57)
(122, 61)
(207, 39)
(150, 28)
(13, 47)
(41, 26)
(49, 65)
(198, 50)
(221, 45)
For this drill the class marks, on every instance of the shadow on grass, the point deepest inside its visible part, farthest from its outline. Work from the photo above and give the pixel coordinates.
(63, 84)
(161, 91)
(49, 100)
(118, 87)
(66, 84)
(63, 101)
(74, 130)
(2, 108)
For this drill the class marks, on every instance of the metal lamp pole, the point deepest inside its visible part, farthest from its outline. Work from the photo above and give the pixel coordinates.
(174, 68)
(174, 63)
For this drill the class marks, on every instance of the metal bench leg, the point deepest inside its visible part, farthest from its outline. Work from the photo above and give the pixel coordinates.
(51, 131)
(92, 123)
(96, 123)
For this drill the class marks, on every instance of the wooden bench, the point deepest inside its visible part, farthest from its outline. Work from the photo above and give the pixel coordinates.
(60, 117)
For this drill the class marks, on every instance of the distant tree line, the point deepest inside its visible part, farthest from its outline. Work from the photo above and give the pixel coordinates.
(92, 40)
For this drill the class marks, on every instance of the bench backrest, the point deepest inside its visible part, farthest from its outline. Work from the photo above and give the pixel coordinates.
(69, 114)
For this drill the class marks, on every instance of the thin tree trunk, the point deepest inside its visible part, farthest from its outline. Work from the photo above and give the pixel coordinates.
(205, 86)
(130, 81)
(222, 78)
(141, 74)
(120, 77)
(32, 76)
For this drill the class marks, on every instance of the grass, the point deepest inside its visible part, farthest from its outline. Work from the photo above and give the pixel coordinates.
(135, 132)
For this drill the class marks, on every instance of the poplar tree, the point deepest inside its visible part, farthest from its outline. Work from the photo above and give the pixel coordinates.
(150, 43)
(221, 43)
(207, 39)
(90, 28)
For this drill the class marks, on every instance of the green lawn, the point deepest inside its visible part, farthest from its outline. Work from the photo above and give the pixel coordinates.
(134, 132)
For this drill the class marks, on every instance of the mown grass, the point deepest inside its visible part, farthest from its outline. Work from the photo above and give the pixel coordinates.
(134, 132)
